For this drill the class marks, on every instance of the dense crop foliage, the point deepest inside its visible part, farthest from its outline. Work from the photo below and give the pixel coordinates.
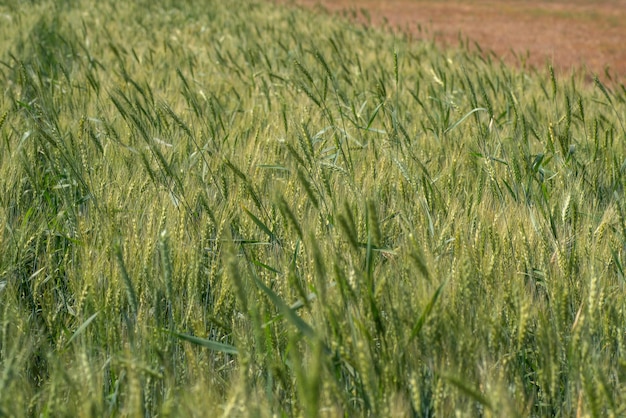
(232, 208)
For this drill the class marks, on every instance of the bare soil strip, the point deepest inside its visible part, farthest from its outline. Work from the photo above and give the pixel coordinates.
(588, 35)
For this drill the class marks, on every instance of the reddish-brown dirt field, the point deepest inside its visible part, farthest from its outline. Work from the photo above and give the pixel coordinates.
(588, 35)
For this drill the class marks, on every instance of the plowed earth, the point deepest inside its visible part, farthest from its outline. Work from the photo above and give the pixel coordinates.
(573, 35)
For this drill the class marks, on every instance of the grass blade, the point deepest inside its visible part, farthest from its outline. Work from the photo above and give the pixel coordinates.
(260, 224)
(467, 115)
(210, 344)
(289, 313)
(467, 390)
(422, 319)
(82, 328)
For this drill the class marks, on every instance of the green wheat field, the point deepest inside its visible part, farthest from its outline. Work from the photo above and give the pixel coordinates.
(238, 209)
